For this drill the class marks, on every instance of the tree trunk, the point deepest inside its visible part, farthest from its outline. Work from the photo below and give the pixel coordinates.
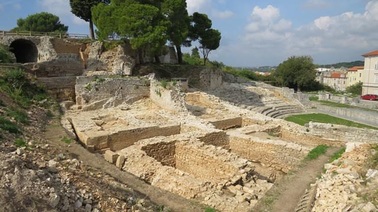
(91, 30)
(157, 59)
(179, 54)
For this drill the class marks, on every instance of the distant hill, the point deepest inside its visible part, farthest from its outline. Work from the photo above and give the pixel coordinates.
(343, 64)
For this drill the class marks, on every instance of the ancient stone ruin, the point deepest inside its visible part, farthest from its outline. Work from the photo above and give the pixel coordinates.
(214, 145)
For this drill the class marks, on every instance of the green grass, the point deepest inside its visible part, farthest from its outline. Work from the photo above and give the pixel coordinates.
(8, 126)
(18, 115)
(66, 140)
(334, 104)
(303, 119)
(316, 152)
(19, 142)
(208, 209)
(337, 154)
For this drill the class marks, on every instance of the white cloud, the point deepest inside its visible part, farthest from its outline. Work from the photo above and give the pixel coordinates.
(267, 14)
(197, 5)
(336, 37)
(222, 14)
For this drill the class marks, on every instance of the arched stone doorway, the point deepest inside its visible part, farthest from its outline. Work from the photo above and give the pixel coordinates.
(24, 50)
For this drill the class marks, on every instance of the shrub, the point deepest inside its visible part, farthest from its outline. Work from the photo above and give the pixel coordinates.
(5, 56)
(355, 89)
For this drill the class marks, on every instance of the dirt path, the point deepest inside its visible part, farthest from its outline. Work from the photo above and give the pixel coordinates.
(54, 134)
(286, 193)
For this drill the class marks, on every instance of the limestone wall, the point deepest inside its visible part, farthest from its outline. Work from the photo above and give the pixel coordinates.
(343, 133)
(211, 79)
(109, 92)
(162, 152)
(227, 123)
(125, 138)
(277, 154)
(202, 165)
(309, 139)
(365, 116)
(218, 138)
(170, 98)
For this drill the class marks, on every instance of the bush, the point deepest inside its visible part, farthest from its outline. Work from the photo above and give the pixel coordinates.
(355, 89)
(17, 85)
(5, 55)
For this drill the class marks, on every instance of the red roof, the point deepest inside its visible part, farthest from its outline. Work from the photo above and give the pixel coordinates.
(335, 75)
(356, 68)
(369, 54)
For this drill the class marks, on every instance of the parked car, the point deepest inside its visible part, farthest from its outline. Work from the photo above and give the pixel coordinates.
(373, 97)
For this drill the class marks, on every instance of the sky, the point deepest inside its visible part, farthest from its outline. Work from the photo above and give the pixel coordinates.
(256, 32)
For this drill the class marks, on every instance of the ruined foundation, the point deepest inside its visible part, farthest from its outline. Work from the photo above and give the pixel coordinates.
(195, 145)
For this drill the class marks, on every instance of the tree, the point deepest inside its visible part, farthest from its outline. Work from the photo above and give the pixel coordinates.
(82, 9)
(142, 24)
(178, 28)
(355, 89)
(200, 29)
(296, 72)
(40, 22)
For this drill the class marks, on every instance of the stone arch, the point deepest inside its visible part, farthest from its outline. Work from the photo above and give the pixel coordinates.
(24, 50)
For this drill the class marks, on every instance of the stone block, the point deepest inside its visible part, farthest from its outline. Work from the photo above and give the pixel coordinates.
(110, 156)
(120, 161)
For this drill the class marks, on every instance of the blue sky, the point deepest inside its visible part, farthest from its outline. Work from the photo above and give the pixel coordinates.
(257, 32)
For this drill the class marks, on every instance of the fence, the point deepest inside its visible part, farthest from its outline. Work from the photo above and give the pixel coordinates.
(52, 34)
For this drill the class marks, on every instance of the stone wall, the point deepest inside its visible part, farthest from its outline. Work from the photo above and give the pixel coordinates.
(98, 140)
(100, 92)
(170, 98)
(202, 165)
(343, 133)
(227, 123)
(307, 138)
(162, 152)
(277, 154)
(211, 78)
(355, 114)
(219, 139)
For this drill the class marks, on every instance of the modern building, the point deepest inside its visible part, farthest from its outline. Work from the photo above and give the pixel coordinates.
(370, 73)
(335, 79)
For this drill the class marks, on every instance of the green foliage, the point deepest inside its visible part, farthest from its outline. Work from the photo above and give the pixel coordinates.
(18, 115)
(296, 72)
(8, 126)
(19, 142)
(374, 159)
(178, 27)
(82, 9)
(313, 98)
(109, 45)
(192, 60)
(41, 22)
(337, 154)
(164, 83)
(303, 119)
(201, 30)
(66, 140)
(316, 152)
(18, 86)
(344, 64)
(5, 55)
(355, 89)
(209, 209)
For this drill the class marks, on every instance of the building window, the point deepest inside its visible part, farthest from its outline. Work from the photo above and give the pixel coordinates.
(376, 78)
(360, 74)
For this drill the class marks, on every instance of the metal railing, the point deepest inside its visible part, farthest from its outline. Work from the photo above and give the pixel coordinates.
(39, 34)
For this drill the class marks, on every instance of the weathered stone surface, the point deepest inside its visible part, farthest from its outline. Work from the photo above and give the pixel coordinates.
(110, 156)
